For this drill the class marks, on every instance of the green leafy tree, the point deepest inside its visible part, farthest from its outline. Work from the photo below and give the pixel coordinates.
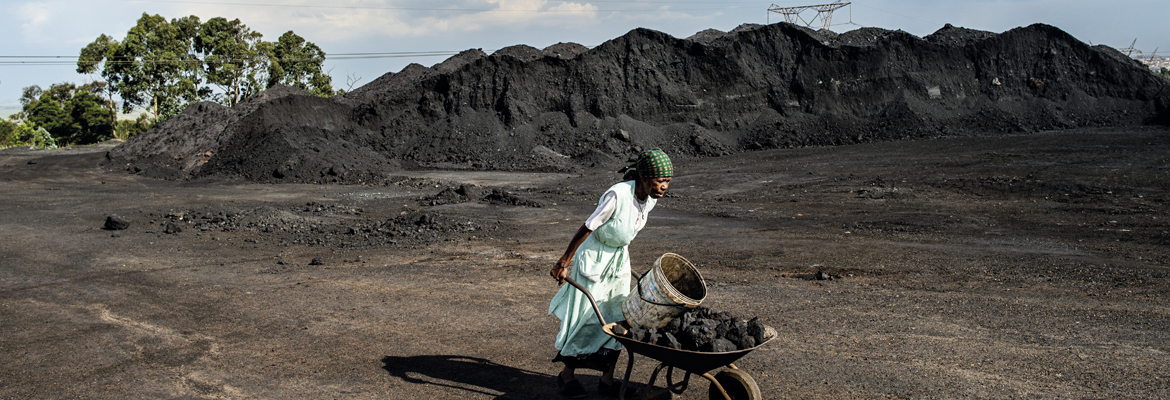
(28, 134)
(1165, 73)
(296, 62)
(89, 120)
(233, 57)
(48, 115)
(7, 134)
(153, 63)
(127, 129)
(29, 96)
(42, 138)
(161, 66)
(70, 113)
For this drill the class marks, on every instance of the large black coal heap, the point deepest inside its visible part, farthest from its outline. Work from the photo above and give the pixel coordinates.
(567, 107)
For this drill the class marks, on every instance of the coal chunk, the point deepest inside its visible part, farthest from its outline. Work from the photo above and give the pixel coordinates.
(638, 334)
(668, 340)
(116, 223)
(720, 345)
(172, 228)
(755, 329)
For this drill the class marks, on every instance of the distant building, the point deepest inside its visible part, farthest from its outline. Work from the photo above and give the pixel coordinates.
(1155, 63)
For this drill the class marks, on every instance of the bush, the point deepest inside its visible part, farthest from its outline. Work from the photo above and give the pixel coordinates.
(126, 129)
(7, 134)
(89, 119)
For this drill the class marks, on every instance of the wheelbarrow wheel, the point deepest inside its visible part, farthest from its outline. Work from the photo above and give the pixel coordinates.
(738, 384)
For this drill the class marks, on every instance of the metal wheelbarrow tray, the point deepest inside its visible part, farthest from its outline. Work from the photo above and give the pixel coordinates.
(730, 384)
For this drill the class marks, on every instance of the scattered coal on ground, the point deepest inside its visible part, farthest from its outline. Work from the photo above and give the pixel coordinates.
(345, 226)
(569, 107)
(706, 330)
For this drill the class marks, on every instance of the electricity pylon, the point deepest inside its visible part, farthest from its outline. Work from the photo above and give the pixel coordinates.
(824, 14)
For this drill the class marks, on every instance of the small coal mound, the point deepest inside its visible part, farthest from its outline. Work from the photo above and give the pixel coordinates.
(706, 330)
(500, 197)
(333, 225)
(452, 195)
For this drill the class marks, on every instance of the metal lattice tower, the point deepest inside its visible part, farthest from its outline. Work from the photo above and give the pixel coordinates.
(824, 14)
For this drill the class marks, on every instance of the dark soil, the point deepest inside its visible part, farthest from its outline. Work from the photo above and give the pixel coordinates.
(568, 108)
(1004, 266)
(965, 215)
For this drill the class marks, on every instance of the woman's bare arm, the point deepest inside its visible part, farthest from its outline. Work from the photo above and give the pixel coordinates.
(560, 271)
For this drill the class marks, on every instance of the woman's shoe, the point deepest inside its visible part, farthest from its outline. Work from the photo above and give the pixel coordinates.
(615, 388)
(571, 389)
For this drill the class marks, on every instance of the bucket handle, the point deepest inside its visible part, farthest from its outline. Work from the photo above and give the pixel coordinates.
(643, 295)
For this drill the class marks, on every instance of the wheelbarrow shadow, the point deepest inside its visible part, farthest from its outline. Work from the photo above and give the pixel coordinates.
(471, 374)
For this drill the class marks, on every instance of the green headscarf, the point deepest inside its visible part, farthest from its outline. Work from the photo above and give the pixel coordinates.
(653, 163)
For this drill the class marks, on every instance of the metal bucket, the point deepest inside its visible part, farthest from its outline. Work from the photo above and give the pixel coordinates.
(672, 286)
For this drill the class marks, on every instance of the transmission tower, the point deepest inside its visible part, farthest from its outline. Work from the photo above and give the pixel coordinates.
(1130, 50)
(823, 17)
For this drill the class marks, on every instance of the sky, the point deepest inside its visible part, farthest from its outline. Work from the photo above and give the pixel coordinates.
(395, 28)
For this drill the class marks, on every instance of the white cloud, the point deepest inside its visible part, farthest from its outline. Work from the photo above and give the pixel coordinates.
(34, 18)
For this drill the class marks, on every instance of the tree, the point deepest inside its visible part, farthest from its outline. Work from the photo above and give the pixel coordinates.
(162, 66)
(7, 134)
(51, 117)
(92, 55)
(89, 120)
(232, 57)
(153, 63)
(298, 63)
(70, 113)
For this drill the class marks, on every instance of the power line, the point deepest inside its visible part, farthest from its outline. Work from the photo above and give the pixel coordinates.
(72, 60)
(444, 9)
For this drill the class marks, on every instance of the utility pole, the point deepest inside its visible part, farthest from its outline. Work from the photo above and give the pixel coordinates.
(823, 17)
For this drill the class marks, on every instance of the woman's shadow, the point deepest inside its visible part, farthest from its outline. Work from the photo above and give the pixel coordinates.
(476, 375)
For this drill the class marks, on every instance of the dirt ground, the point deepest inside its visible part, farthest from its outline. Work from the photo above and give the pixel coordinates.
(1030, 266)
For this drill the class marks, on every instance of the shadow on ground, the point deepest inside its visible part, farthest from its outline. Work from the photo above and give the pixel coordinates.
(474, 375)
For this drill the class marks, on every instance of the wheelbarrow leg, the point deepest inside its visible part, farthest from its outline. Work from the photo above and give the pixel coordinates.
(629, 370)
(682, 386)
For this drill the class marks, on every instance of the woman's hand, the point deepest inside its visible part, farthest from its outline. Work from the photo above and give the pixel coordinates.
(560, 271)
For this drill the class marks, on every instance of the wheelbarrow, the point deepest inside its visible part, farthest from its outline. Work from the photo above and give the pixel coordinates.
(730, 384)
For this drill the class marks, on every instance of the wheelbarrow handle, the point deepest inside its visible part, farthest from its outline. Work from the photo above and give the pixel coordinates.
(596, 310)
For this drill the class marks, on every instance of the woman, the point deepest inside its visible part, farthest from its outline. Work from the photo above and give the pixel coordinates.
(601, 263)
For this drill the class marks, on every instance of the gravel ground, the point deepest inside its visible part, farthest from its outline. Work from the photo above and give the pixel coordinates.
(1031, 266)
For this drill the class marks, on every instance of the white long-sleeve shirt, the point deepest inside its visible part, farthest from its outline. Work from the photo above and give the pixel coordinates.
(606, 207)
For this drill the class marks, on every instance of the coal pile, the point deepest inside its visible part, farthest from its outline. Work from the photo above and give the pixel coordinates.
(702, 329)
(327, 225)
(716, 93)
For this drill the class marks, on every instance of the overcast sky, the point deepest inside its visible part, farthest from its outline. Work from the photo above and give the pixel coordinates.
(63, 27)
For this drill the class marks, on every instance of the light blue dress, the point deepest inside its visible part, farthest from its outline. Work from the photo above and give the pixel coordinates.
(602, 265)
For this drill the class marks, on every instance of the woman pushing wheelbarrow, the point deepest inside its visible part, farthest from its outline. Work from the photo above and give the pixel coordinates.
(600, 262)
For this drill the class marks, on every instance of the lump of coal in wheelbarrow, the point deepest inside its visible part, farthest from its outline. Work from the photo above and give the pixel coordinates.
(637, 333)
(652, 336)
(747, 342)
(720, 345)
(695, 337)
(673, 325)
(668, 340)
(755, 329)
